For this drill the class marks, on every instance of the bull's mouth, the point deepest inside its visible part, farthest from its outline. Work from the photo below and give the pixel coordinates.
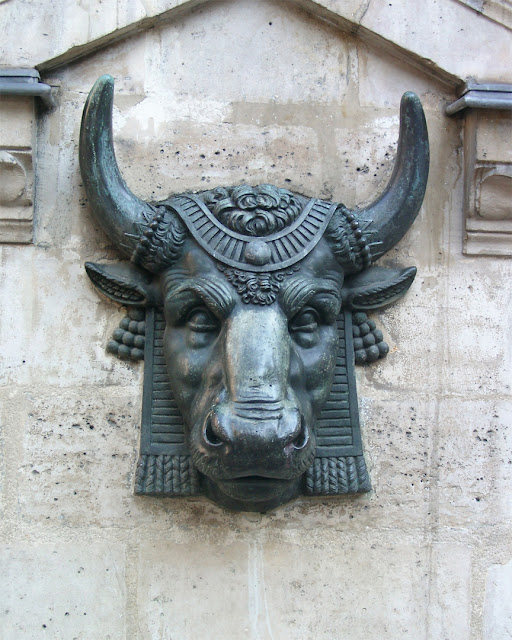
(252, 493)
(255, 488)
(256, 479)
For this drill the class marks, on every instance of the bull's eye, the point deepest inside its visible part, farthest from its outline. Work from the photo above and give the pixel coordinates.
(304, 328)
(306, 321)
(202, 319)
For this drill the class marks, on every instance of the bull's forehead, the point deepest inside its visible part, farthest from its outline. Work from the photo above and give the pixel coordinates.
(318, 271)
(319, 263)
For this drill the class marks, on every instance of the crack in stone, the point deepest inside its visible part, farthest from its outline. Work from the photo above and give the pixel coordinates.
(361, 12)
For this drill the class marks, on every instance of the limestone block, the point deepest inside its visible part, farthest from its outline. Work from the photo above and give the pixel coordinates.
(472, 462)
(62, 591)
(440, 37)
(475, 332)
(492, 130)
(498, 602)
(191, 157)
(276, 54)
(17, 118)
(121, 59)
(15, 322)
(3, 483)
(16, 171)
(61, 209)
(449, 614)
(54, 327)
(192, 590)
(367, 154)
(397, 437)
(414, 346)
(78, 456)
(364, 589)
(382, 79)
(498, 10)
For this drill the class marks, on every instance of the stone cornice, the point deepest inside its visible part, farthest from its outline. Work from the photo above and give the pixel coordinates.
(498, 10)
(419, 31)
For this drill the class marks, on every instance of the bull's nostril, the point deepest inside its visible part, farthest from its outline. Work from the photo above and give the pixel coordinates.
(302, 438)
(210, 436)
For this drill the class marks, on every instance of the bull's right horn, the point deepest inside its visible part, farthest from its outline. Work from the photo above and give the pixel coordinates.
(394, 211)
(116, 208)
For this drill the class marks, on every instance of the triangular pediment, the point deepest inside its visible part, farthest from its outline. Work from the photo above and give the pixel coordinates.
(432, 36)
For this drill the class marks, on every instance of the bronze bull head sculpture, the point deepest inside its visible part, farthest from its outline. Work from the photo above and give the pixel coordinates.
(248, 305)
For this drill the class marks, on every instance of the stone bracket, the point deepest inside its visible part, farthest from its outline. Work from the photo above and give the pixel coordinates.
(486, 109)
(19, 88)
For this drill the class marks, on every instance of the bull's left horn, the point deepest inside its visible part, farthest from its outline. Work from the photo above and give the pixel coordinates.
(391, 215)
(116, 208)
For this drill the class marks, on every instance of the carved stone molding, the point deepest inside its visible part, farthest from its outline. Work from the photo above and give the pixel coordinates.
(16, 195)
(499, 11)
(487, 110)
(18, 88)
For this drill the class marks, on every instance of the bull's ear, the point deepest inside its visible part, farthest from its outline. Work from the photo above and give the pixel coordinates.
(376, 287)
(125, 283)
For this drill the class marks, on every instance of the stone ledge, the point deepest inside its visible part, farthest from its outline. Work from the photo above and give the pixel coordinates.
(483, 243)
(16, 231)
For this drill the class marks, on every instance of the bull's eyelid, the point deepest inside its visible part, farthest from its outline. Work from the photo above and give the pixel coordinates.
(325, 301)
(308, 327)
(203, 324)
(301, 291)
(177, 309)
(215, 300)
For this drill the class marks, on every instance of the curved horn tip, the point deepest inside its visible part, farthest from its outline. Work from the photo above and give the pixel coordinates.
(101, 95)
(411, 103)
(102, 89)
(408, 96)
(102, 81)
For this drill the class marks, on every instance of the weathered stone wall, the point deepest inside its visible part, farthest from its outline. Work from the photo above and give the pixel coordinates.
(224, 93)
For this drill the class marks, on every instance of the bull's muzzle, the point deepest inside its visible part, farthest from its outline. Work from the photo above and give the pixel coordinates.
(257, 428)
(260, 436)
(255, 452)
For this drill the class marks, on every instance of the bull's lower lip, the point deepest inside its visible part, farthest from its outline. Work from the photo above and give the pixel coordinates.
(255, 480)
(253, 488)
(252, 493)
